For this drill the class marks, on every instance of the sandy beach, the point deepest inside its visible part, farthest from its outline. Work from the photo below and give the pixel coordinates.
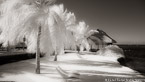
(92, 68)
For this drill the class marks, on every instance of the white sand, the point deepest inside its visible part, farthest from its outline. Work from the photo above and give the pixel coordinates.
(89, 66)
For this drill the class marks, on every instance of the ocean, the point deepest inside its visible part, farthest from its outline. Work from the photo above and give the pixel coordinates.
(134, 57)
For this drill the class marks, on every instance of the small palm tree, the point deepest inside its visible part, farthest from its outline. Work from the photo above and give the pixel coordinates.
(80, 32)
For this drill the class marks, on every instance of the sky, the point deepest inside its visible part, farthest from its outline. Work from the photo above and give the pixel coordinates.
(123, 20)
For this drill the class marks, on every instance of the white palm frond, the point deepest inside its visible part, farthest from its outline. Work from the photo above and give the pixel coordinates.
(65, 17)
(17, 23)
(10, 5)
(80, 32)
(24, 20)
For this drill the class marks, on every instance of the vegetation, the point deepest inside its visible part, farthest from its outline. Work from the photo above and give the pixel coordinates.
(47, 28)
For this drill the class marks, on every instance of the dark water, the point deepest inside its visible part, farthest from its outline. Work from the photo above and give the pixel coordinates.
(133, 50)
(134, 57)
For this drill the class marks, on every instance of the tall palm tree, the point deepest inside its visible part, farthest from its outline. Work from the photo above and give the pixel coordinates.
(66, 19)
(28, 18)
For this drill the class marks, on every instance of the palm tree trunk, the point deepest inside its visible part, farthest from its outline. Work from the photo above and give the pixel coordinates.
(8, 49)
(24, 39)
(103, 44)
(38, 51)
(55, 57)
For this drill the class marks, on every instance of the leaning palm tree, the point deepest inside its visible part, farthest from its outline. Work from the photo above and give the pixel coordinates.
(74, 34)
(66, 19)
(29, 18)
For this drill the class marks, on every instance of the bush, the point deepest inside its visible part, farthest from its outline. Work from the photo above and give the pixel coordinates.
(111, 51)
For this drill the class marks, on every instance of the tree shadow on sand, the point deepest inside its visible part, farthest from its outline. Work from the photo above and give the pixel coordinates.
(91, 63)
(101, 71)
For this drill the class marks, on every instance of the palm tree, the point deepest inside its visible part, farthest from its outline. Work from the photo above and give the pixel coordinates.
(65, 20)
(28, 18)
(80, 31)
